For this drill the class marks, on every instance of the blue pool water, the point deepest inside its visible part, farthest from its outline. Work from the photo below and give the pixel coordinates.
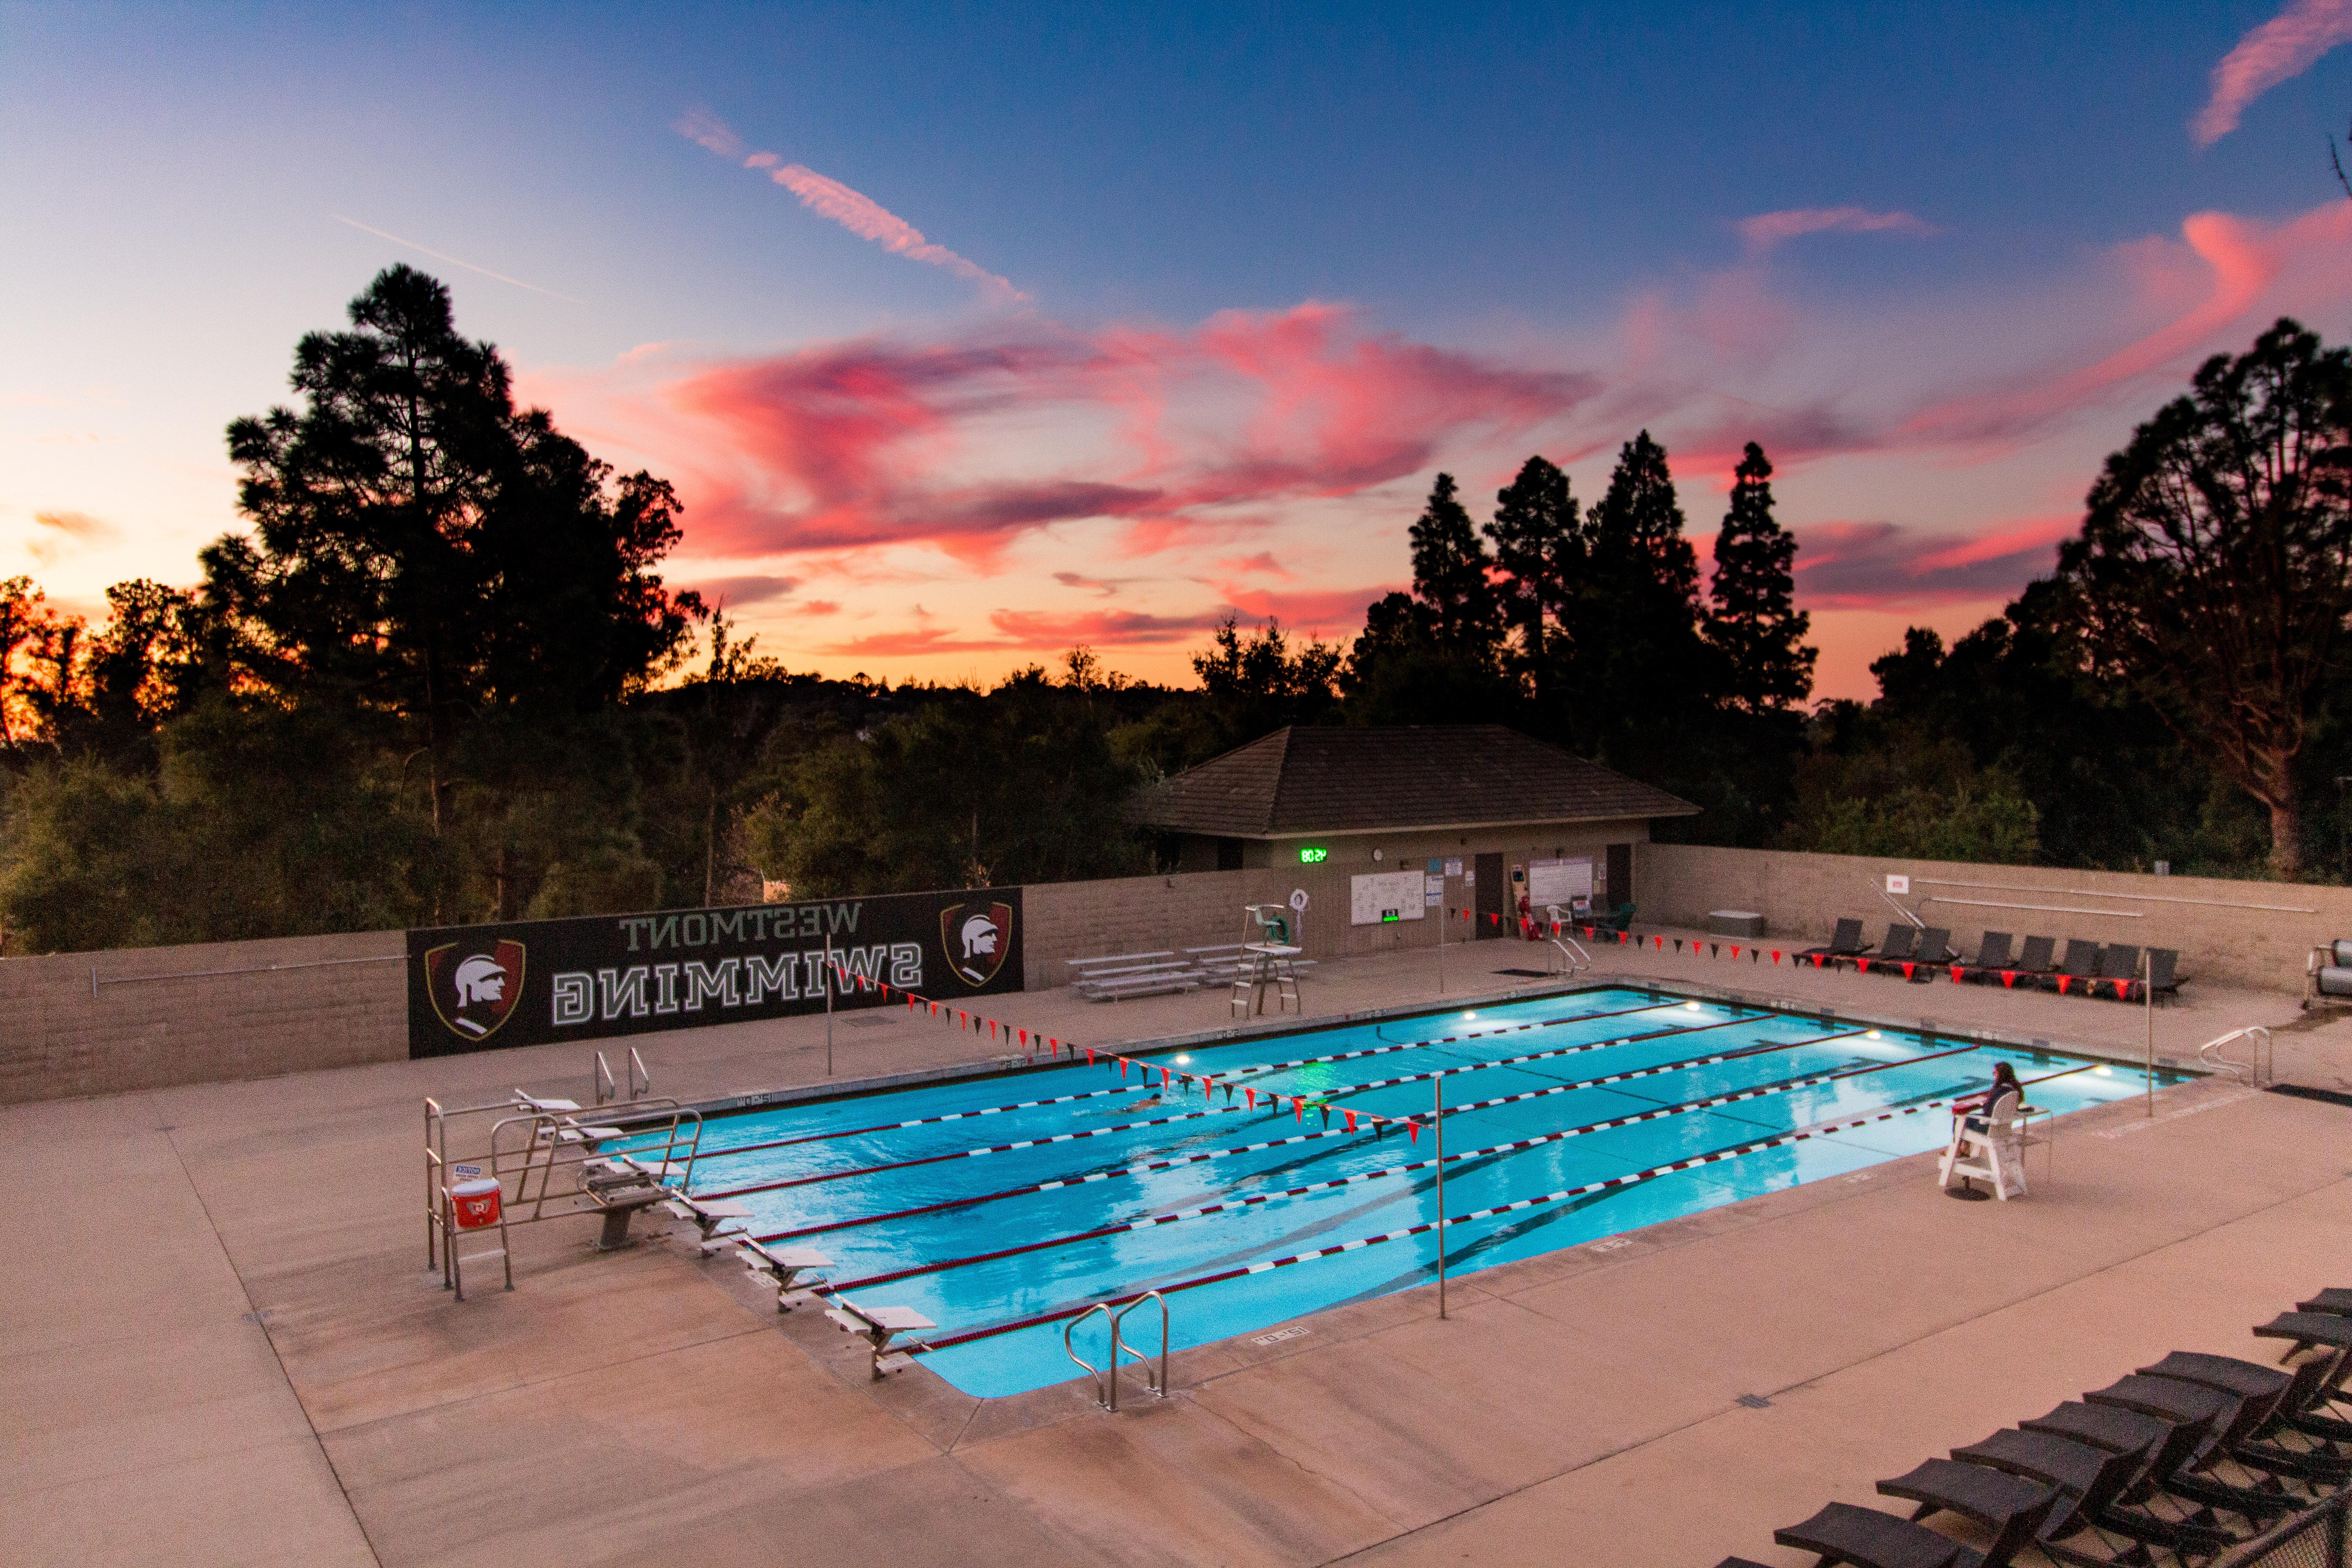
(1806, 1072)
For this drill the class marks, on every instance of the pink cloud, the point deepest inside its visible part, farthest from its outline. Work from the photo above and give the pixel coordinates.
(1882, 565)
(882, 441)
(1766, 230)
(853, 210)
(2279, 50)
(2243, 261)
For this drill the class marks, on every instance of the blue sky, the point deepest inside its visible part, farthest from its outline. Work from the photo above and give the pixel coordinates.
(1279, 267)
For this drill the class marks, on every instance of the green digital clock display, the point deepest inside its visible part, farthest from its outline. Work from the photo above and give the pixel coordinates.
(1314, 857)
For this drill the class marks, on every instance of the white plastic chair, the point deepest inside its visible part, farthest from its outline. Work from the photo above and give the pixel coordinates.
(1995, 1152)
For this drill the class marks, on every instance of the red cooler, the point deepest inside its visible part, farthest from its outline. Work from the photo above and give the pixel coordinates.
(475, 1204)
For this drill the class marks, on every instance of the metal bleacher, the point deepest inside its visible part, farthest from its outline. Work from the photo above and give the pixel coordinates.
(1114, 976)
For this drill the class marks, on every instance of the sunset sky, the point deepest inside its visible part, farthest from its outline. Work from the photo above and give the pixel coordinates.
(969, 333)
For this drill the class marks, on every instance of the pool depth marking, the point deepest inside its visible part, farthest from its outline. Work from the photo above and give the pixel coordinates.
(1174, 1160)
(1632, 1178)
(1152, 1221)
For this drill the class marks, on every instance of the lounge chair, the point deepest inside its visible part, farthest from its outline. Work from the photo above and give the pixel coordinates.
(1846, 942)
(2277, 1440)
(1896, 948)
(1842, 1532)
(2079, 963)
(2163, 975)
(2161, 1450)
(2034, 957)
(1993, 957)
(2230, 1421)
(2015, 1509)
(2119, 970)
(2092, 1483)
(1935, 947)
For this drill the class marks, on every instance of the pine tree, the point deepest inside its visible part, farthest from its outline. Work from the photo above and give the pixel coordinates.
(1755, 622)
(1539, 549)
(1449, 574)
(1637, 530)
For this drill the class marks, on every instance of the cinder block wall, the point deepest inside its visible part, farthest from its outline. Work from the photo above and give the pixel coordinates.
(2204, 919)
(163, 1015)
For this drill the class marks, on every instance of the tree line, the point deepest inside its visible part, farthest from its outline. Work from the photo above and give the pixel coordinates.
(441, 679)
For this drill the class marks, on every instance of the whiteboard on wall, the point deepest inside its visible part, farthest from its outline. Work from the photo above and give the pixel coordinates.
(1385, 896)
(1561, 882)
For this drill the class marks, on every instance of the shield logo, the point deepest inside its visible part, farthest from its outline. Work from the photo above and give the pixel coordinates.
(976, 940)
(474, 987)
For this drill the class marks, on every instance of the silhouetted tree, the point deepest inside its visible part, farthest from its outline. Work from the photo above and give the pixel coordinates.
(1449, 575)
(1540, 550)
(1753, 620)
(2214, 569)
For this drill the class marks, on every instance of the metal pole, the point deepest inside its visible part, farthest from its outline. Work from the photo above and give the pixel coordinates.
(2148, 984)
(1438, 1124)
(1443, 914)
(828, 1004)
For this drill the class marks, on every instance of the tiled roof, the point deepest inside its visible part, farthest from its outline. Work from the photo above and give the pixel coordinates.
(1336, 780)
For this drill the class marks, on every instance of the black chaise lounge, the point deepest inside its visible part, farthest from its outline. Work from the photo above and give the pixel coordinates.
(2099, 1484)
(1993, 957)
(2034, 957)
(2163, 976)
(1846, 942)
(1842, 1532)
(2079, 962)
(2118, 973)
(1935, 947)
(1896, 948)
(2016, 1509)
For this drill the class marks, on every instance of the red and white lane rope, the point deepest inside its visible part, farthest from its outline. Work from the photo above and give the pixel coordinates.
(1149, 1222)
(1630, 1178)
(1173, 1162)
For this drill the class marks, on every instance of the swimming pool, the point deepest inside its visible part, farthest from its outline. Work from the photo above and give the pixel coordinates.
(999, 1207)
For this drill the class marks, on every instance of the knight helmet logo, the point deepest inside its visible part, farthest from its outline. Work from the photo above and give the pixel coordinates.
(976, 943)
(474, 990)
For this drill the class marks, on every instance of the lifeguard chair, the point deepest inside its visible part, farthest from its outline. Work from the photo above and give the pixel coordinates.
(1270, 959)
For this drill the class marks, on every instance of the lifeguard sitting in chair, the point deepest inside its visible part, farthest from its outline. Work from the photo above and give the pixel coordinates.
(1987, 1139)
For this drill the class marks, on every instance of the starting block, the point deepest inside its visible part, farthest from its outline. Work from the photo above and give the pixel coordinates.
(707, 1215)
(877, 1326)
(784, 1265)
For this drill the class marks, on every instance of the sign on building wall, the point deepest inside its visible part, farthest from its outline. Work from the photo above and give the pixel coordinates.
(1385, 896)
(1568, 883)
(529, 982)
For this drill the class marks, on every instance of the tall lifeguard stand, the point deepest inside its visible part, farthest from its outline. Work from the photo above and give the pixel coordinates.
(1269, 959)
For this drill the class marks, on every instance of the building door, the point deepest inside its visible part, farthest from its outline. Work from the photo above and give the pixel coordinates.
(1621, 875)
(1491, 889)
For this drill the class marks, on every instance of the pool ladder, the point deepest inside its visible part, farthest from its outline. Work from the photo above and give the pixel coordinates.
(1106, 1393)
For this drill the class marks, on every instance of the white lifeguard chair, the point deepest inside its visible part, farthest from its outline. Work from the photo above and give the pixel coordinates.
(1995, 1152)
(1271, 960)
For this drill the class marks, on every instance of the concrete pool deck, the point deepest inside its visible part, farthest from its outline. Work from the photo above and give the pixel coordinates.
(221, 1344)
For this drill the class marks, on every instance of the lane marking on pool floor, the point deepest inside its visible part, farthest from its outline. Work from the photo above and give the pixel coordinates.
(1375, 1129)
(1632, 1178)
(1515, 1145)
(1250, 1107)
(1145, 1088)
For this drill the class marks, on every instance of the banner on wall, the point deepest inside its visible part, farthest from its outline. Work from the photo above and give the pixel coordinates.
(531, 983)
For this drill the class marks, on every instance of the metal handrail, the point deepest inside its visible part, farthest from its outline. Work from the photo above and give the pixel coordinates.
(2260, 1066)
(600, 1081)
(531, 1165)
(1158, 1386)
(1096, 1373)
(637, 1071)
